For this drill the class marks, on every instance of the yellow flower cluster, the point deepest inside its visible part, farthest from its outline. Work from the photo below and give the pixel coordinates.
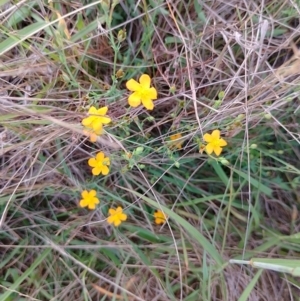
(143, 94)
(214, 141)
(116, 216)
(90, 200)
(100, 164)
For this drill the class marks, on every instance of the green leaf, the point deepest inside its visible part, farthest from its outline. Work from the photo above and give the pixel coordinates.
(84, 32)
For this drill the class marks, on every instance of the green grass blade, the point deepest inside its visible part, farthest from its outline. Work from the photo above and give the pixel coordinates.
(258, 185)
(25, 275)
(20, 36)
(207, 246)
(32, 29)
(246, 293)
(290, 266)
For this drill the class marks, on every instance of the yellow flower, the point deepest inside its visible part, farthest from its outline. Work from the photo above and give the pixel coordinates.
(93, 134)
(116, 216)
(176, 144)
(100, 164)
(96, 118)
(89, 199)
(215, 143)
(142, 92)
(160, 217)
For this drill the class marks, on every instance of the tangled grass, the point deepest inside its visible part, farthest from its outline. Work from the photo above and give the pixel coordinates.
(231, 66)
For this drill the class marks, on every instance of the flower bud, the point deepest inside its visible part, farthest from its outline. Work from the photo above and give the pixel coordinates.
(122, 35)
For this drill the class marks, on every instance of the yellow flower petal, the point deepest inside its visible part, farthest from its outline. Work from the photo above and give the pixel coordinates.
(87, 121)
(117, 222)
(159, 220)
(209, 148)
(105, 120)
(179, 145)
(217, 150)
(92, 206)
(96, 171)
(176, 144)
(216, 134)
(83, 203)
(100, 156)
(84, 194)
(207, 138)
(97, 124)
(92, 110)
(148, 103)
(175, 136)
(110, 219)
(105, 170)
(92, 162)
(102, 111)
(123, 217)
(145, 81)
(111, 211)
(222, 142)
(133, 85)
(98, 131)
(160, 217)
(93, 193)
(134, 99)
(152, 93)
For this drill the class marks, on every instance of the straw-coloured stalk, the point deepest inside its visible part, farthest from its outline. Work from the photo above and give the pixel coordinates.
(289, 266)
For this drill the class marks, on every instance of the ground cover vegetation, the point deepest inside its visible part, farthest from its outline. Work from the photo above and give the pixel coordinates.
(149, 150)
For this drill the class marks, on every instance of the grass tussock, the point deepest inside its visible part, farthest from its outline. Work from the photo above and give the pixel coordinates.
(192, 211)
